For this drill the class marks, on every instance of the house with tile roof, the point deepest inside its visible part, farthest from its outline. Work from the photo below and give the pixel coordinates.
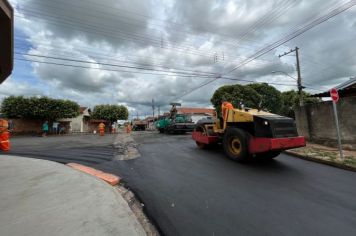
(196, 113)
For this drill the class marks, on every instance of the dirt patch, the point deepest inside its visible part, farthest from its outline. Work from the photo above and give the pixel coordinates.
(125, 147)
(326, 154)
(137, 208)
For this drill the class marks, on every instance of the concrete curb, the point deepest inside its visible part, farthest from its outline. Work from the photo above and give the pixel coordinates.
(330, 163)
(109, 178)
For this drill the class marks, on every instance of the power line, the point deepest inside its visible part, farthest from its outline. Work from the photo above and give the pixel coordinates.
(240, 80)
(119, 15)
(108, 64)
(98, 30)
(123, 35)
(217, 78)
(107, 69)
(78, 24)
(285, 39)
(110, 58)
(88, 50)
(120, 36)
(130, 18)
(209, 81)
(320, 14)
(276, 9)
(282, 8)
(295, 34)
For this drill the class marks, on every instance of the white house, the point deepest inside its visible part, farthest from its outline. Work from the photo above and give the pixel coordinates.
(80, 123)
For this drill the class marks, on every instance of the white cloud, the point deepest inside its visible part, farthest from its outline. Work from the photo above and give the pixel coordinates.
(10, 87)
(208, 36)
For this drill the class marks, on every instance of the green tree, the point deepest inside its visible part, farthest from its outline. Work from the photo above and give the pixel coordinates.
(252, 94)
(110, 112)
(271, 99)
(235, 94)
(43, 108)
(290, 100)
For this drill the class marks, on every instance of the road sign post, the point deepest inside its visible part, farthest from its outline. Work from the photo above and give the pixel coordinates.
(335, 97)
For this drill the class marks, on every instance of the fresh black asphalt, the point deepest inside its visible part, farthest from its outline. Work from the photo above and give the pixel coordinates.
(188, 191)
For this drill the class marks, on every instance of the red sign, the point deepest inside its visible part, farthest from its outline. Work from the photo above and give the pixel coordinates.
(334, 95)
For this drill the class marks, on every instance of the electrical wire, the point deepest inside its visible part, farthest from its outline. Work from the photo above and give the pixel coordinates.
(295, 34)
(222, 77)
(104, 12)
(106, 69)
(79, 24)
(285, 39)
(129, 17)
(109, 64)
(19, 45)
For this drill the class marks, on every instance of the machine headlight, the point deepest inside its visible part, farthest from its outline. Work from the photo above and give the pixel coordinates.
(265, 122)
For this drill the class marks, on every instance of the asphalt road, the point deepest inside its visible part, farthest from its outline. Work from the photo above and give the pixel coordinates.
(188, 191)
(83, 149)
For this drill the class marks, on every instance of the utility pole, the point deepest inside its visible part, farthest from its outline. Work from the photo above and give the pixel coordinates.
(299, 79)
(153, 108)
(159, 110)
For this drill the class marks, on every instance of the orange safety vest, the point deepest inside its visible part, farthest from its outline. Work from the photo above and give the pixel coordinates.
(128, 129)
(101, 126)
(4, 125)
(4, 135)
(101, 129)
(225, 106)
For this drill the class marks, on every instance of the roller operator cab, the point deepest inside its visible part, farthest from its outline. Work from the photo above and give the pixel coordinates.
(249, 132)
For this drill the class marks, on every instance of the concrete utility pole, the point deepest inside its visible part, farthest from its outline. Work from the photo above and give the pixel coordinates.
(299, 79)
(153, 108)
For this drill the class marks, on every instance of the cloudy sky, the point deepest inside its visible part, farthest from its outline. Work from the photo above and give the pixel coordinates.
(130, 52)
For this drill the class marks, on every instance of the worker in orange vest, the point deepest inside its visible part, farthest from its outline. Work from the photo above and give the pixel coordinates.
(128, 128)
(4, 135)
(101, 129)
(225, 106)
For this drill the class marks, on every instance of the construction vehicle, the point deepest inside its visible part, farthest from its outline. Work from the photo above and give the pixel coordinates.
(175, 123)
(246, 133)
(139, 125)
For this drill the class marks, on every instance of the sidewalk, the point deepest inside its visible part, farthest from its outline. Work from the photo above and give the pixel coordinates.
(326, 155)
(39, 197)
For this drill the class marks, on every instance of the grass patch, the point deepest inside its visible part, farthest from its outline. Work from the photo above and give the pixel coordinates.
(326, 155)
(350, 161)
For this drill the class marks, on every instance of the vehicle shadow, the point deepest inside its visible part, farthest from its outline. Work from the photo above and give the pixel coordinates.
(276, 165)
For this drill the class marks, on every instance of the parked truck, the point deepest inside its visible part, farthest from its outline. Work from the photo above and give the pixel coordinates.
(175, 123)
(245, 133)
